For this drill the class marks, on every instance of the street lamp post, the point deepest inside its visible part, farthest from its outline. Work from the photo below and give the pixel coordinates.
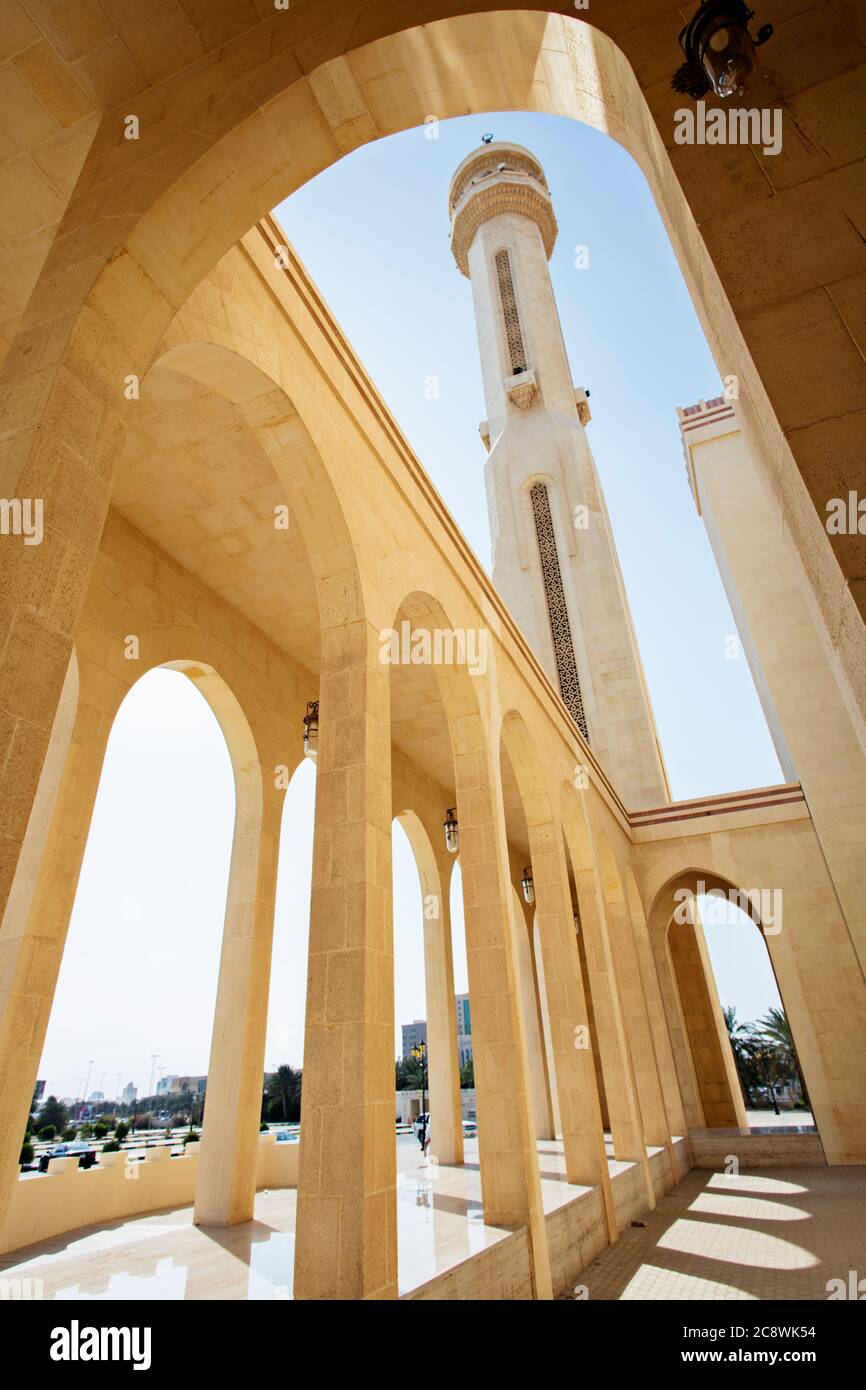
(419, 1054)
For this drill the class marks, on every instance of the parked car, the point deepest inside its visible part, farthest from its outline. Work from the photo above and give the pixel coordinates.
(85, 1153)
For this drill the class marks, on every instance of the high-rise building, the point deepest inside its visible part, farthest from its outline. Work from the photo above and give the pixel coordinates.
(413, 1034)
(554, 557)
(464, 1029)
(416, 1032)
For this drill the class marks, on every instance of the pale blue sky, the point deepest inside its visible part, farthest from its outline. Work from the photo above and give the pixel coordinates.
(373, 231)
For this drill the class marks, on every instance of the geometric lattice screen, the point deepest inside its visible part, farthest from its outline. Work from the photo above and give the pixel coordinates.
(560, 629)
(516, 350)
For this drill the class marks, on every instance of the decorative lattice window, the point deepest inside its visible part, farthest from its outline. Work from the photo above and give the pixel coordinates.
(560, 629)
(513, 334)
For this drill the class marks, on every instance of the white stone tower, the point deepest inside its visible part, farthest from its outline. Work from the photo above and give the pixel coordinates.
(554, 559)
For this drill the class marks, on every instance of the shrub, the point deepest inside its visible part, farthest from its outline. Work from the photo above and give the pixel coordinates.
(47, 1132)
(111, 1146)
(263, 1127)
(87, 1131)
(100, 1130)
(121, 1130)
(27, 1152)
(70, 1133)
(190, 1138)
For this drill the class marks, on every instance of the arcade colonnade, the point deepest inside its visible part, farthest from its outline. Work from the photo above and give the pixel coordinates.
(256, 408)
(118, 267)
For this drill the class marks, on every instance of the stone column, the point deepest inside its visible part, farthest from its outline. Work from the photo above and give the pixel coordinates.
(510, 1184)
(446, 1115)
(36, 920)
(673, 1101)
(620, 1087)
(539, 1087)
(226, 1181)
(546, 1040)
(580, 1114)
(346, 1242)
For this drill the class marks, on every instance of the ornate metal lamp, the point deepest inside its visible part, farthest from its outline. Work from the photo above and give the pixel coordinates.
(720, 51)
(528, 886)
(311, 729)
(452, 834)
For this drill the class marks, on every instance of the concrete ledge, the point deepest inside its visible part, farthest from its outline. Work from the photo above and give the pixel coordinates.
(713, 1148)
(576, 1235)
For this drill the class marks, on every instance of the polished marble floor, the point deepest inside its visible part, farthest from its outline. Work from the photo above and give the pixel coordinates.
(164, 1256)
(706, 1239)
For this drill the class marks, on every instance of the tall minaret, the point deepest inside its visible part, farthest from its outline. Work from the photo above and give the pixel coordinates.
(554, 559)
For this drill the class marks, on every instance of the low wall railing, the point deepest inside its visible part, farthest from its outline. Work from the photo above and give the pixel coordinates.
(121, 1185)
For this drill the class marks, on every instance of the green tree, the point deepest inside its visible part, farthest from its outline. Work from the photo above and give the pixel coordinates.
(741, 1036)
(283, 1090)
(55, 1113)
(467, 1075)
(408, 1074)
(775, 1031)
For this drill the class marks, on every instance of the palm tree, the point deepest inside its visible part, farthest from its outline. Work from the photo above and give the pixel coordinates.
(776, 1032)
(741, 1036)
(284, 1085)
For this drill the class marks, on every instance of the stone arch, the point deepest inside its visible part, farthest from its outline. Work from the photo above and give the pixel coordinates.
(179, 208)
(225, 1182)
(704, 1060)
(255, 384)
(509, 1169)
(443, 1070)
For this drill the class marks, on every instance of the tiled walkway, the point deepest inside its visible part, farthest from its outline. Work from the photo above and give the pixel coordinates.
(770, 1233)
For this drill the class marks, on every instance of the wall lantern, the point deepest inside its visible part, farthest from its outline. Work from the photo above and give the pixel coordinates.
(311, 729)
(528, 886)
(720, 51)
(452, 835)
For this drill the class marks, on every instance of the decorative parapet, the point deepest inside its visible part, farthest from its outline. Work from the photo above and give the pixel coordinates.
(699, 422)
(498, 178)
(581, 400)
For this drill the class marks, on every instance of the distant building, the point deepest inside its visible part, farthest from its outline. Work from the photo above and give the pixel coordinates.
(464, 1030)
(413, 1034)
(95, 1097)
(38, 1094)
(179, 1085)
(130, 1093)
(416, 1032)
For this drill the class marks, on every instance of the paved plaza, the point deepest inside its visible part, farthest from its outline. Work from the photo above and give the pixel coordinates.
(770, 1234)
